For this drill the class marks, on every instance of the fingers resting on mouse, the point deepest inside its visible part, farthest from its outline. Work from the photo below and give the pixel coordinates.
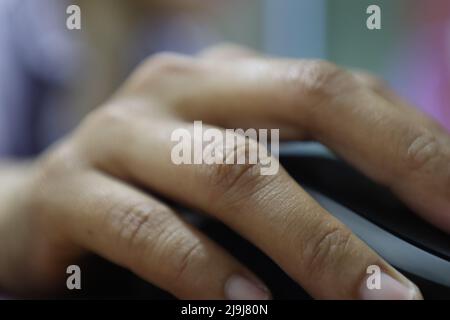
(87, 192)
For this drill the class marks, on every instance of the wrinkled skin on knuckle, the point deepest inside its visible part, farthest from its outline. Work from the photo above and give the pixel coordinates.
(134, 224)
(325, 250)
(150, 231)
(182, 251)
(320, 79)
(231, 183)
(423, 151)
(426, 159)
(232, 177)
(317, 84)
(188, 258)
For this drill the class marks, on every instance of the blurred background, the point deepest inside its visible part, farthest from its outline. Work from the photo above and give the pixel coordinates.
(50, 77)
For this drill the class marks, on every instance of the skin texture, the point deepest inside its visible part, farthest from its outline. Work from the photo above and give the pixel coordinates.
(82, 195)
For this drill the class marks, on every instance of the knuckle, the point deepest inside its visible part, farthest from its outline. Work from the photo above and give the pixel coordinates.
(93, 137)
(226, 175)
(423, 152)
(319, 84)
(326, 248)
(99, 125)
(163, 65)
(320, 79)
(372, 82)
(189, 255)
(145, 230)
(426, 157)
(241, 179)
(105, 117)
(137, 224)
(58, 163)
(235, 176)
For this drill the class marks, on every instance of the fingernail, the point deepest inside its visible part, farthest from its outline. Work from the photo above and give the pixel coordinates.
(239, 288)
(389, 289)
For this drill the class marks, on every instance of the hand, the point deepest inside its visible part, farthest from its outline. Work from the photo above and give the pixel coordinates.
(83, 195)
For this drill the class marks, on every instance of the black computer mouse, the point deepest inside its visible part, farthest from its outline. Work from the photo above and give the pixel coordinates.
(412, 245)
(372, 212)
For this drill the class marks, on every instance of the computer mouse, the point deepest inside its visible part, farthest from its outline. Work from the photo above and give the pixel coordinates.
(412, 245)
(416, 248)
